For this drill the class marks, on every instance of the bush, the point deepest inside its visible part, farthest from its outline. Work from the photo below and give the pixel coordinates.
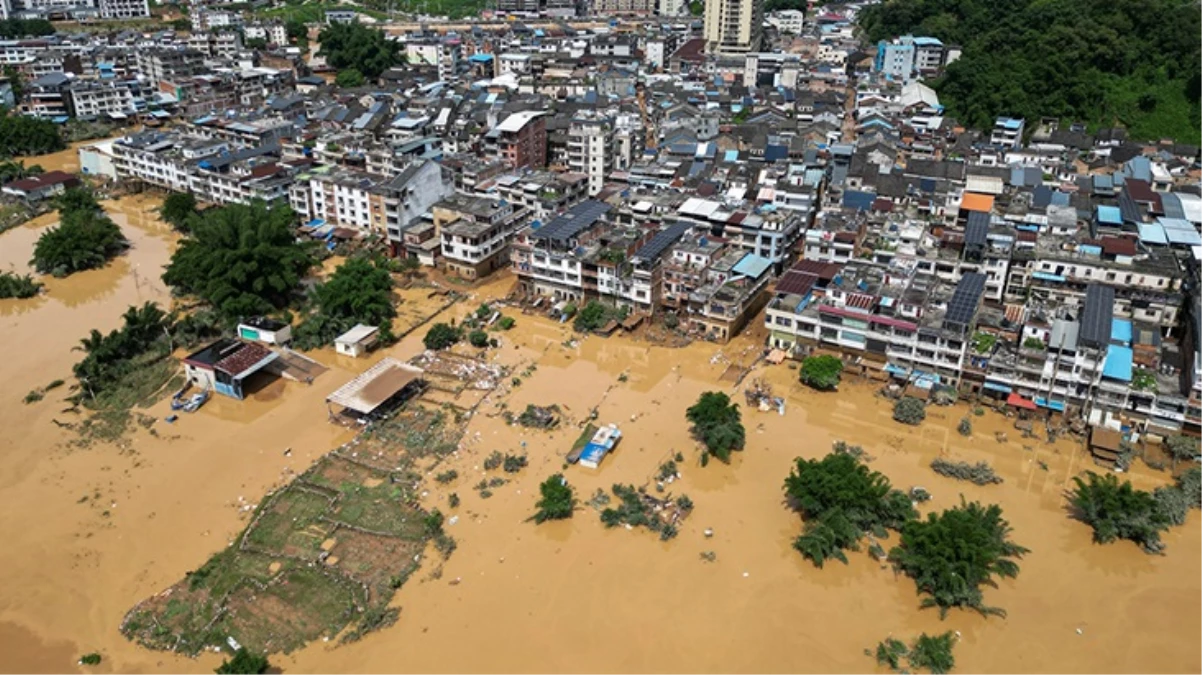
(821, 372)
(1181, 447)
(841, 499)
(441, 336)
(592, 317)
(244, 662)
(933, 653)
(717, 424)
(979, 474)
(950, 555)
(506, 323)
(85, 238)
(557, 500)
(1118, 511)
(92, 659)
(478, 338)
(453, 500)
(889, 652)
(909, 410)
(964, 427)
(447, 476)
(17, 286)
(513, 463)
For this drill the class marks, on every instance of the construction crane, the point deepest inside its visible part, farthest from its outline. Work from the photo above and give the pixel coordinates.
(648, 128)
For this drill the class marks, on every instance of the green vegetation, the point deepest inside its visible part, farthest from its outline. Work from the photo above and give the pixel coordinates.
(181, 26)
(16, 286)
(950, 555)
(964, 428)
(506, 323)
(14, 170)
(353, 45)
(92, 659)
(351, 77)
(909, 410)
(177, 209)
(1178, 447)
(933, 653)
(255, 43)
(1130, 63)
(441, 336)
(717, 424)
(21, 135)
(1118, 511)
(979, 474)
(478, 338)
(822, 372)
(841, 500)
(557, 500)
(595, 315)
(109, 359)
(890, 651)
(19, 28)
(358, 292)
(1034, 343)
(85, 238)
(638, 509)
(242, 260)
(983, 343)
(1144, 380)
(245, 662)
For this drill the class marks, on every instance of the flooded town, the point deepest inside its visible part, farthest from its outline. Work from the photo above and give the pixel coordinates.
(589, 337)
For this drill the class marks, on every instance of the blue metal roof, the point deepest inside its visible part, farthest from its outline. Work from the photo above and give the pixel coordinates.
(752, 266)
(1118, 363)
(1110, 215)
(480, 58)
(861, 201)
(1120, 331)
(1152, 233)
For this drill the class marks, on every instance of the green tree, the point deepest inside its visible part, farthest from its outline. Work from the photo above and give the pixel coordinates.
(358, 292)
(841, 499)
(255, 43)
(933, 653)
(177, 208)
(592, 317)
(351, 77)
(478, 338)
(11, 170)
(298, 32)
(1118, 511)
(85, 238)
(717, 423)
(244, 662)
(19, 28)
(557, 500)
(109, 358)
(950, 555)
(22, 135)
(16, 286)
(354, 45)
(822, 372)
(1181, 447)
(909, 410)
(441, 336)
(181, 26)
(244, 260)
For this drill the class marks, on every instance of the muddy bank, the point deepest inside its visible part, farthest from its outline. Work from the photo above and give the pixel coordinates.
(597, 599)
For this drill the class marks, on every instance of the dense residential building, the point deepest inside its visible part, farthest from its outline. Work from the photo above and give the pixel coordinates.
(734, 26)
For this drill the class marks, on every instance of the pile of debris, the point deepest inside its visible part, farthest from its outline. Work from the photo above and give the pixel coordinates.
(759, 395)
(540, 417)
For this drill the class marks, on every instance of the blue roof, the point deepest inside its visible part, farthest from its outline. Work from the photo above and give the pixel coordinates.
(1011, 123)
(1118, 363)
(1180, 231)
(1138, 167)
(928, 42)
(732, 155)
(480, 58)
(1152, 233)
(861, 201)
(1120, 331)
(752, 266)
(1110, 215)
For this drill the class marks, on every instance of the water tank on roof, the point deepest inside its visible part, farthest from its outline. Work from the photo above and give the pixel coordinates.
(703, 242)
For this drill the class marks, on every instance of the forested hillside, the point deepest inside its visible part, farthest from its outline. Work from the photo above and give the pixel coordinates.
(1129, 62)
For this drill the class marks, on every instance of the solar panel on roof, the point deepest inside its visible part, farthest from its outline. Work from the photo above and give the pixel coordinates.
(577, 219)
(976, 232)
(1097, 316)
(965, 300)
(661, 241)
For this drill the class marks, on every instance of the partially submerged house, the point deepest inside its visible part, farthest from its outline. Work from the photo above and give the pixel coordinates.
(374, 389)
(357, 341)
(262, 329)
(225, 365)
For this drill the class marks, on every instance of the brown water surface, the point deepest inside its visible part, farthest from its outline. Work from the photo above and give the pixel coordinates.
(90, 532)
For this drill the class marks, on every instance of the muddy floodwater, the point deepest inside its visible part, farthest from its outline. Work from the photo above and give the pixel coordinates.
(90, 532)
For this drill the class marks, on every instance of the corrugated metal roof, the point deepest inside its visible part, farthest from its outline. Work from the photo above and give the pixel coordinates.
(1097, 315)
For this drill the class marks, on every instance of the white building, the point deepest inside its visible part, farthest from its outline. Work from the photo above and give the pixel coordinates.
(590, 150)
(734, 26)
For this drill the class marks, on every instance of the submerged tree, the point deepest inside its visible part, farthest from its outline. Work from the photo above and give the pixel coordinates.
(177, 208)
(358, 292)
(909, 410)
(441, 336)
(243, 260)
(841, 499)
(822, 372)
(557, 500)
(718, 424)
(950, 555)
(244, 662)
(85, 238)
(1118, 511)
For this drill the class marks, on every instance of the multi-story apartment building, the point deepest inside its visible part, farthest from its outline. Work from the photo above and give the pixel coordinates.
(590, 149)
(445, 54)
(157, 65)
(542, 193)
(474, 233)
(1007, 133)
(115, 100)
(770, 234)
(549, 260)
(626, 7)
(734, 26)
(520, 140)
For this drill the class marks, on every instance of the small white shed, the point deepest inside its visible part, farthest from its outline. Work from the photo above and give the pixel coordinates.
(269, 331)
(357, 341)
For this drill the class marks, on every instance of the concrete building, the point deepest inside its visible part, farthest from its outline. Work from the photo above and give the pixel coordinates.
(590, 149)
(520, 140)
(1007, 133)
(474, 233)
(734, 26)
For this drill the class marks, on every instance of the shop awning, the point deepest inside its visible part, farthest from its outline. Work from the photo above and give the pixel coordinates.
(1020, 402)
(998, 387)
(1058, 406)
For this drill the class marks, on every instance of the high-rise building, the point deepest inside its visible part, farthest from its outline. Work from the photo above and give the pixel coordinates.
(734, 26)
